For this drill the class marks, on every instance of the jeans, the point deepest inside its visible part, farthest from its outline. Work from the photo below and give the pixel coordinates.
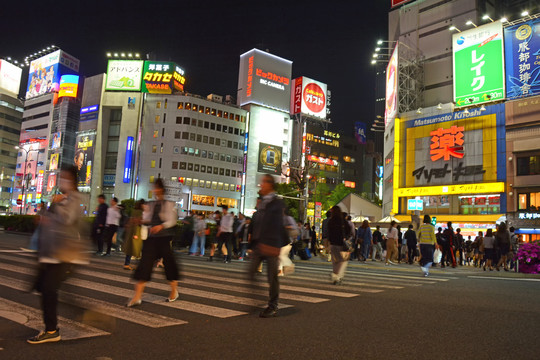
(272, 275)
(426, 250)
(377, 249)
(365, 250)
(243, 249)
(198, 241)
(50, 277)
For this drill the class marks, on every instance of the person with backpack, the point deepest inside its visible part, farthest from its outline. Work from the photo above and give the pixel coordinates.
(364, 238)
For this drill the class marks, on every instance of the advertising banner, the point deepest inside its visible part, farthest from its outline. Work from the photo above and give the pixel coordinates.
(158, 77)
(51, 182)
(522, 49)
(53, 165)
(392, 73)
(264, 79)
(44, 73)
(269, 159)
(179, 80)
(56, 140)
(128, 160)
(84, 156)
(360, 132)
(69, 85)
(309, 98)
(478, 65)
(10, 77)
(39, 183)
(124, 75)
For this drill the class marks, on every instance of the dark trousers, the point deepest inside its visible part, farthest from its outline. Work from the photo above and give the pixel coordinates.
(97, 235)
(226, 238)
(314, 247)
(50, 276)
(410, 252)
(154, 248)
(446, 255)
(107, 237)
(272, 275)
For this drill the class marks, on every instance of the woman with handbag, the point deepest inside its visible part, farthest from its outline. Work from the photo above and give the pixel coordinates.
(338, 231)
(133, 245)
(162, 220)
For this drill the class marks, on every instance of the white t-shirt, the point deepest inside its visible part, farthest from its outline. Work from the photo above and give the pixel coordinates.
(392, 233)
(113, 216)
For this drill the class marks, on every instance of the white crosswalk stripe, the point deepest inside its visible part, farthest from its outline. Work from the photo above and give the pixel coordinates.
(206, 290)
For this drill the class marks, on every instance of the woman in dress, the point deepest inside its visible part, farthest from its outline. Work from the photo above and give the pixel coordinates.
(161, 218)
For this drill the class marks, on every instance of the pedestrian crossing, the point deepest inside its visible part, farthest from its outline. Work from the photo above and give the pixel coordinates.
(207, 291)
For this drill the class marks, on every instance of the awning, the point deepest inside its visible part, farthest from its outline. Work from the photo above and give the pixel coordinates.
(443, 218)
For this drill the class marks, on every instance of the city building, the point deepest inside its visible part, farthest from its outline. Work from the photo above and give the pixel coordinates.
(11, 109)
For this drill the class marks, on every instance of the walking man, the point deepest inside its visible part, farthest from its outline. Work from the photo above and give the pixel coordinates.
(377, 244)
(410, 238)
(112, 223)
(391, 243)
(99, 223)
(225, 232)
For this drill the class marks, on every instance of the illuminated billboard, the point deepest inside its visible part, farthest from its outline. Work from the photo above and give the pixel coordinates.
(53, 164)
(269, 159)
(69, 84)
(10, 77)
(264, 79)
(161, 77)
(128, 160)
(478, 65)
(45, 72)
(308, 97)
(56, 140)
(522, 50)
(392, 73)
(83, 160)
(399, 2)
(124, 75)
(360, 132)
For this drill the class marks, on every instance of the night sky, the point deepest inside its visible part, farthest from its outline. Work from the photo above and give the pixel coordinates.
(330, 41)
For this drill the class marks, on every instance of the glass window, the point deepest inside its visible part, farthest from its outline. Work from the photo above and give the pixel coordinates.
(209, 169)
(192, 136)
(203, 168)
(207, 110)
(177, 134)
(522, 202)
(222, 157)
(200, 123)
(213, 112)
(220, 113)
(151, 180)
(208, 184)
(207, 125)
(191, 151)
(187, 121)
(156, 133)
(199, 137)
(183, 165)
(229, 144)
(174, 165)
(180, 105)
(196, 167)
(225, 114)
(236, 131)
(212, 126)
(165, 104)
(188, 181)
(188, 106)
(195, 181)
(237, 117)
(114, 130)
(194, 122)
(211, 140)
(204, 154)
(190, 167)
(158, 105)
(214, 185)
(222, 171)
(216, 170)
(218, 127)
(528, 165)
(232, 187)
(240, 160)
(243, 119)
(197, 153)
(154, 148)
(205, 139)
(201, 109)
(178, 119)
(153, 163)
(235, 159)
(210, 155)
(220, 186)
(185, 135)
(227, 173)
(233, 173)
(195, 108)
(225, 129)
(112, 146)
(228, 158)
(163, 132)
(157, 119)
(226, 187)
(231, 116)
(184, 150)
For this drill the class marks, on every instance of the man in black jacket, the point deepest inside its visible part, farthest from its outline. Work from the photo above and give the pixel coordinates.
(268, 237)
(410, 236)
(99, 223)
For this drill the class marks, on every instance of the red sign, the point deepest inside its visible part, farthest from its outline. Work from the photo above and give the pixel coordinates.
(399, 2)
(446, 143)
(314, 97)
(51, 182)
(296, 105)
(350, 184)
(271, 76)
(19, 201)
(39, 185)
(322, 160)
(250, 77)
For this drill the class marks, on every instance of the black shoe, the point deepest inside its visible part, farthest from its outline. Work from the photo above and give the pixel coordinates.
(268, 312)
(44, 337)
(210, 258)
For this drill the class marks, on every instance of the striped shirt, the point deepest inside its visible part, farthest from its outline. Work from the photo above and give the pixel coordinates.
(426, 234)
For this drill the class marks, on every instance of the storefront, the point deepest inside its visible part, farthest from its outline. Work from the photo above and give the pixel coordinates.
(453, 166)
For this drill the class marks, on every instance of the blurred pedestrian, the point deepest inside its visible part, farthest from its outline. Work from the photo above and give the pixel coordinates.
(61, 245)
(459, 244)
(269, 236)
(99, 223)
(199, 239)
(364, 238)
(410, 238)
(402, 245)
(449, 246)
(391, 243)
(314, 245)
(225, 234)
(133, 239)
(161, 217)
(214, 238)
(338, 231)
(428, 244)
(377, 244)
(111, 227)
(504, 243)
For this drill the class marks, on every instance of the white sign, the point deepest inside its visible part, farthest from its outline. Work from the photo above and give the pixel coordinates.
(124, 75)
(309, 97)
(10, 77)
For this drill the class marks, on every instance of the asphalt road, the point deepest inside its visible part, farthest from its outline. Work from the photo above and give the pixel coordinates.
(378, 313)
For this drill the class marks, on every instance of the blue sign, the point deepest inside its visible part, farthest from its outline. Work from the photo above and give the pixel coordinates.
(109, 179)
(128, 160)
(89, 109)
(415, 204)
(360, 132)
(522, 57)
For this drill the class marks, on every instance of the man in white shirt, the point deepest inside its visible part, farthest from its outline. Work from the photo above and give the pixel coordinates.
(391, 243)
(111, 224)
(225, 232)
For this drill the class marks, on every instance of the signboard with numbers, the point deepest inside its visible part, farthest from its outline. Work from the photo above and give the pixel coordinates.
(522, 50)
(478, 65)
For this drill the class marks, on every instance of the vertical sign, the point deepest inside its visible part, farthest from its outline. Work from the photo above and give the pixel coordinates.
(360, 132)
(392, 73)
(478, 65)
(128, 160)
(84, 156)
(522, 49)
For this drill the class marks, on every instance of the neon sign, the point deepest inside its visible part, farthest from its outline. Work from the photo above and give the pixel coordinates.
(446, 143)
(128, 160)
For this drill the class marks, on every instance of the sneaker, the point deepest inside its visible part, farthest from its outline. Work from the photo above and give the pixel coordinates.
(44, 337)
(426, 274)
(268, 312)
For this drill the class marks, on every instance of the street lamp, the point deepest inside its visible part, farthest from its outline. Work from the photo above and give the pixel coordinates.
(452, 28)
(24, 174)
(471, 23)
(486, 17)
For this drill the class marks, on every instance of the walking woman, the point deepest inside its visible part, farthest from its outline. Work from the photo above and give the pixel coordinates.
(428, 243)
(364, 237)
(133, 241)
(391, 243)
(489, 249)
(199, 240)
(338, 230)
(162, 218)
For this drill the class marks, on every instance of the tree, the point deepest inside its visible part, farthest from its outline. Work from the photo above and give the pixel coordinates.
(338, 194)
(290, 191)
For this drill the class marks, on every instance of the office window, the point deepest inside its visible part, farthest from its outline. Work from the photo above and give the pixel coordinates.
(233, 187)
(192, 136)
(185, 135)
(153, 163)
(220, 186)
(226, 187)
(165, 104)
(213, 112)
(176, 150)
(197, 153)
(211, 140)
(221, 171)
(207, 125)
(209, 169)
(222, 157)
(225, 115)
(151, 180)
(528, 165)
(158, 105)
(174, 165)
(204, 154)
(240, 160)
(207, 110)
(199, 137)
(183, 165)
(187, 121)
(157, 119)
(214, 185)
(163, 132)
(220, 113)
(237, 117)
(212, 126)
(203, 168)
(229, 144)
(233, 173)
(225, 129)
(208, 184)
(205, 139)
(195, 108)
(180, 105)
(178, 119)
(156, 133)
(154, 148)
(236, 131)
(231, 116)
(194, 122)
(218, 127)
(188, 106)
(235, 145)
(216, 170)
(228, 158)
(210, 155)
(188, 181)
(160, 163)
(190, 167)
(227, 173)
(196, 182)
(191, 151)
(243, 119)
(165, 115)
(177, 134)
(234, 159)
(200, 123)
(184, 150)
(201, 109)
(196, 167)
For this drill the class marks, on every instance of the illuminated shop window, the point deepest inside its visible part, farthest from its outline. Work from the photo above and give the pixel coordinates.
(180, 105)
(188, 106)
(158, 105)
(479, 205)
(195, 108)
(153, 163)
(529, 201)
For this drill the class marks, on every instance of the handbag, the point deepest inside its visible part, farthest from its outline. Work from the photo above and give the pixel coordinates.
(348, 244)
(268, 250)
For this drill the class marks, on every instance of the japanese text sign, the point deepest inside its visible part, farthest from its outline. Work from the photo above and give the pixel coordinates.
(478, 65)
(309, 98)
(446, 143)
(522, 49)
(124, 75)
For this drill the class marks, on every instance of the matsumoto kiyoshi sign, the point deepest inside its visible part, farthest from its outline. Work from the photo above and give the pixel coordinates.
(478, 65)
(522, 49)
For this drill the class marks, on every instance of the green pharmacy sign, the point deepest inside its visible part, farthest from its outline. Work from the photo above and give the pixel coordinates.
(479, 65)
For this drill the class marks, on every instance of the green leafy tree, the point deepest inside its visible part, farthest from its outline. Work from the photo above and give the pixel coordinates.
(338, 194)
(290, 191)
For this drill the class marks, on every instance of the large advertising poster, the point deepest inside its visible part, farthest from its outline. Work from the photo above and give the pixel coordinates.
(522, 49)
(269, 159)
(392, 73)
(44, 74)
(478, 65)
(309, 98)
(69, 85)
(124, 75)
(158, 77)
(84, 156)
(10, 77)
(264, 79)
